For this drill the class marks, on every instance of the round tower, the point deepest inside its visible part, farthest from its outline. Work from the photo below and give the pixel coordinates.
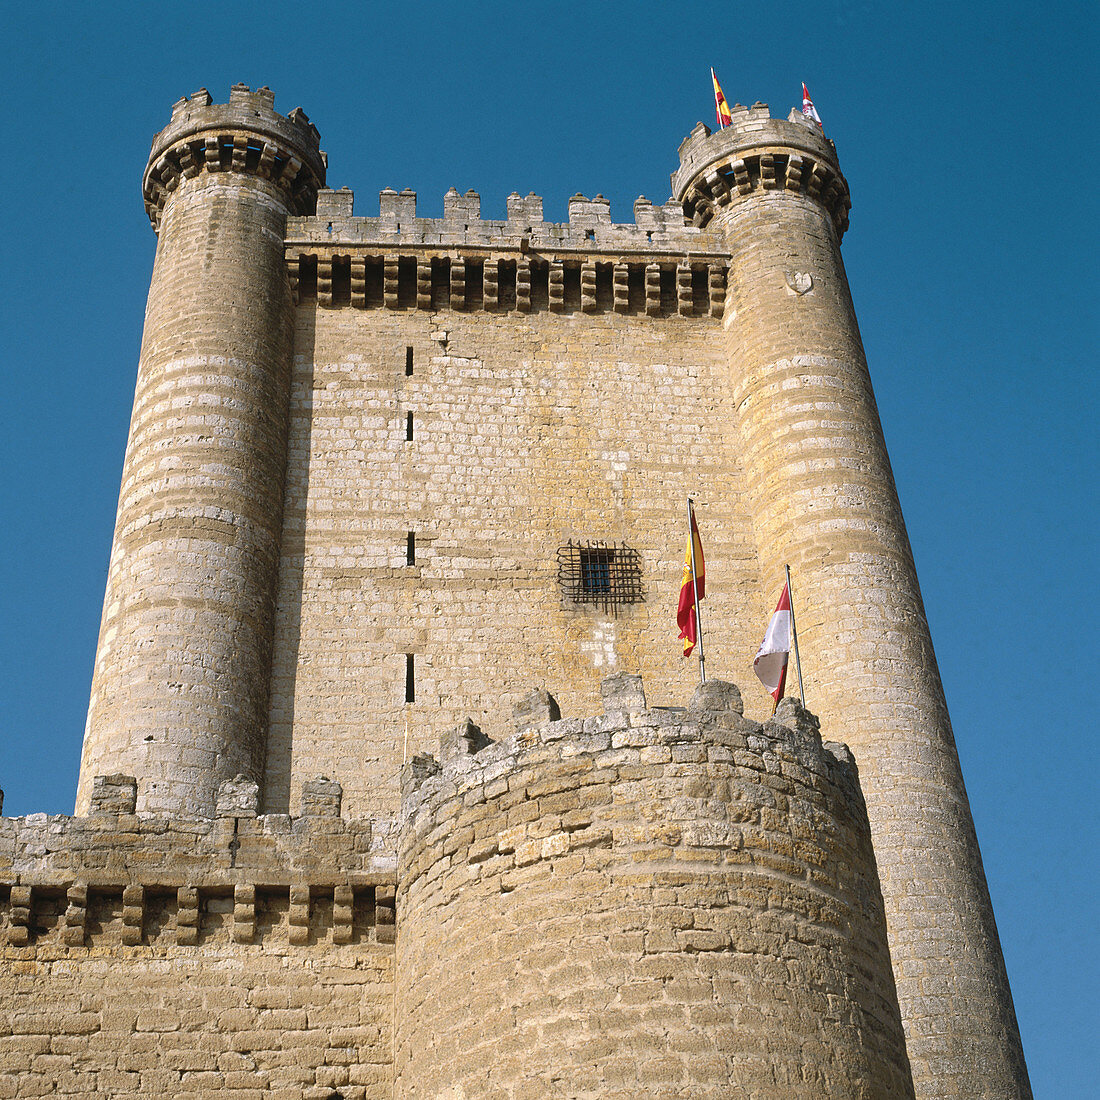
(652, 903)
(179, 691)
(824, 501)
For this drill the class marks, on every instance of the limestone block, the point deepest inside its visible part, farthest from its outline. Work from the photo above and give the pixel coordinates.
(299, 915)
(133, 914)
(321, 797)
(19, 915)
(114, 794)
(535, 709)
(76, 914)
(244, 913)
(343, 914)
(716, 695)
(238, 797)
(463, 740)
(623, 692)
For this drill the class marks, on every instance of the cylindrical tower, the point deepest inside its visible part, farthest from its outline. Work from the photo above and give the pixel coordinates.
(179, 692)
(824, 500)
(646, 904)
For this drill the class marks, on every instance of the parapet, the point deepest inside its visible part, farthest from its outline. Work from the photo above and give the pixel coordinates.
(656, 228)
(244, 135)
(759, 153)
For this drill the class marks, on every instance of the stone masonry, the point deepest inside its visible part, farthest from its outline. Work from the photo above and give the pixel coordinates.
(676, 902)
(387, 474)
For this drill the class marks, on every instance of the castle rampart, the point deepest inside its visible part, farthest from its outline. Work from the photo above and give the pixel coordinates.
(239, 955)
(681, 904)
(672, 902)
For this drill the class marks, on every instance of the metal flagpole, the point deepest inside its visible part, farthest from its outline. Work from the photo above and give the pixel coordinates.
(794, 638)
(695, 593)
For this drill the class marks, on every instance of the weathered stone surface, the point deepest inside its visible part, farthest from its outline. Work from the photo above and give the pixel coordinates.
(716, 695)
(113, 794)
(535, 709)
(321, 797)
(237, 797)
(464, 739)
(622, 692)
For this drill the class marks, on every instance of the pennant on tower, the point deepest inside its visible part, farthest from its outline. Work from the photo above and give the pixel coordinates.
(808, 108)
(721, 107)
(694, 570)
(770, 664)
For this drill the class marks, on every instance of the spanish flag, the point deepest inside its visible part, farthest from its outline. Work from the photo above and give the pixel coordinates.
(721, 107)
(685, 611)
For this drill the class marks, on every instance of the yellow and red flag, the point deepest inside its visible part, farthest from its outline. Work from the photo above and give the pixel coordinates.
(686, 618)
(721, 107)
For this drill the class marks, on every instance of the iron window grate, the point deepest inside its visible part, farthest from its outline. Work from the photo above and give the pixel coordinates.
(607, 575)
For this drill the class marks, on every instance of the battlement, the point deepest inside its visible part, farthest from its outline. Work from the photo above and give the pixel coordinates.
(657, 265)
(245, 135)
(656, 228)
(759, 153)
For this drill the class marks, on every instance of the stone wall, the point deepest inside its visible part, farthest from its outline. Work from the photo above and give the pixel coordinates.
(655, 902)
(149, 956)
(528, 432)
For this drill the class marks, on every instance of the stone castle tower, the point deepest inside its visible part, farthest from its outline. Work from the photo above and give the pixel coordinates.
(400, 493)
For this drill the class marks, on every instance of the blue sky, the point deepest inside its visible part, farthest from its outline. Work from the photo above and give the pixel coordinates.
(967, 133)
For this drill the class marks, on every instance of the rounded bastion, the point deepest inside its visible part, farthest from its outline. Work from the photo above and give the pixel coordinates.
(662, 902)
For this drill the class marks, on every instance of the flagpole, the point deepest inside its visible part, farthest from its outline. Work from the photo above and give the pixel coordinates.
(794, 638)
(695, 593)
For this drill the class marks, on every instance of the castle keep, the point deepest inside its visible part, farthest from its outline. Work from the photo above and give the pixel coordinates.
(394, 782)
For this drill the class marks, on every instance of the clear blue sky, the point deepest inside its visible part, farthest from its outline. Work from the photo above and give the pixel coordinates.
(967, 133)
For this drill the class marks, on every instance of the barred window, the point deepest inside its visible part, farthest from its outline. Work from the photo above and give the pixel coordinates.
(607, 575)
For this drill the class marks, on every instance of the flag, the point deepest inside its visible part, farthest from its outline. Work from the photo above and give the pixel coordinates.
(808, 108)
(770, 664)
(685, 611)
(721, 107)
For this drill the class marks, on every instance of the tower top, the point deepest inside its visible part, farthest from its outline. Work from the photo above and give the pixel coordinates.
(758, 152)
(244, 135)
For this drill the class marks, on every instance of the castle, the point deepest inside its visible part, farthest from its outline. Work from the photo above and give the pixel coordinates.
(394, 782)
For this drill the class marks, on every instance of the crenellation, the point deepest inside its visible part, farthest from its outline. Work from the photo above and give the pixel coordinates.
(614, 839)
(335, 204)
(461, 208)
(525, 210)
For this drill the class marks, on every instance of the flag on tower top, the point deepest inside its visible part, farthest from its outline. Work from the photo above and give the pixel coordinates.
(808, 108)
(770, 664)
(721, 107)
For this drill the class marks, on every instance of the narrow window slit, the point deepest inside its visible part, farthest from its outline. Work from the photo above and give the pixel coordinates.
(408, 361)
(408, 426)
(410, 548)
(410, 687)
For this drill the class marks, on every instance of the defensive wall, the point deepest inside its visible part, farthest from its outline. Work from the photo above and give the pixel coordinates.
(671, 902)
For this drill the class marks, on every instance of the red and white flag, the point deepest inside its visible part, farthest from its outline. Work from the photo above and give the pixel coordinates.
(808, 108)
(770, 664)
